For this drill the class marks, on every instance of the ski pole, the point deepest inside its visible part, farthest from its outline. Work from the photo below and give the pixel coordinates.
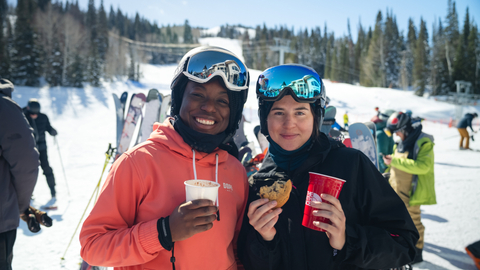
(108, 156)
(61, 162)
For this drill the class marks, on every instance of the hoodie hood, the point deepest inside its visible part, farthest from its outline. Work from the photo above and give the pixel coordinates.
(6, 87)
(165, 134)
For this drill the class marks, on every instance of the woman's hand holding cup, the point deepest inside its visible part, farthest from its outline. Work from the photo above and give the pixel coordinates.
(331, 208)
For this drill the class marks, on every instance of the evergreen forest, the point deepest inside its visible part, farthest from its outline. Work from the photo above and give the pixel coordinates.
(59, 44)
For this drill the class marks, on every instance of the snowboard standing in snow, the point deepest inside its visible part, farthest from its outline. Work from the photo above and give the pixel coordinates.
(152, 111)
(165, 108)
(328, 120)
(133, 116)
(373, 130)
(362, 139)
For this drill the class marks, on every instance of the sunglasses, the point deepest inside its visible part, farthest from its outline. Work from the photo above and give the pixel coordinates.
(205, 65)
(302, 81)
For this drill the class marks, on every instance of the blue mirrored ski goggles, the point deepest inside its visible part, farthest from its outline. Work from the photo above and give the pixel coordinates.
(304, 83)
(205, 65)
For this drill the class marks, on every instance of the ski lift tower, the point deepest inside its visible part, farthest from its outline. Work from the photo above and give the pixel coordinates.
(463, 97)
(282, 46)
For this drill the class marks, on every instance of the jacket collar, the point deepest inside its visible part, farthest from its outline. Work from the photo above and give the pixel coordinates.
(165, 134)
(318, 153)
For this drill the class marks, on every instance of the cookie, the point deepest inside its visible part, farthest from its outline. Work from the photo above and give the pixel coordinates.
(278, 191)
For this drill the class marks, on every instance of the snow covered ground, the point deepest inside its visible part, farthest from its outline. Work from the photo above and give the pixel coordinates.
(85, 120)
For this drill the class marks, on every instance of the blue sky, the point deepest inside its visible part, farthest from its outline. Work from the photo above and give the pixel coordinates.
(296, 13)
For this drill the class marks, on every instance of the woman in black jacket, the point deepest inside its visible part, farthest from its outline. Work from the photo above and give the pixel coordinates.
(370, 226)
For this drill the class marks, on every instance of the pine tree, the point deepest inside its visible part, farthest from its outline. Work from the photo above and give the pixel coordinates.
(439, 70)
(420, 64)
(4, 56)
(102, 39)
(330, 49)
(452, 38)
(359, 51)
(374, 66)
(55, 64)
(392, 45)
(112, 18)
(462, 63)
(94, 69)
(473, 69)
(406, 65)
(75, 72)
(26, 54)
(343, 70)
(187, 33)
(120, 23)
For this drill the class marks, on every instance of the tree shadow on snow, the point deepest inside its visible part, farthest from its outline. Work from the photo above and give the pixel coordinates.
(434, 218)
(56, 218)
(99, 94)
(59, 99)
(458, 259)
(22, 94)
(341, 105)
(456, 165)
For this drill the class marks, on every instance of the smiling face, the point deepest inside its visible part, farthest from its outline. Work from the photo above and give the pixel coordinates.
(290, 123)
(205, 107)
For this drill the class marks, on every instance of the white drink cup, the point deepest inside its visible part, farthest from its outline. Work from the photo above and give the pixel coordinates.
(201, 189)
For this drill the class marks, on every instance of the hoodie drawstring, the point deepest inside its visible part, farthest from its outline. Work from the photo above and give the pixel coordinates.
(194, 170)
(216, 180)
(216, 176)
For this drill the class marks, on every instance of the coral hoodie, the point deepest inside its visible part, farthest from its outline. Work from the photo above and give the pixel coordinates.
(145, 184)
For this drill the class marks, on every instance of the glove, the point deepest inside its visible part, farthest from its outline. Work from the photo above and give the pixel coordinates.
(29, 217)
(42, 217)
(34, 217)
(54, 132)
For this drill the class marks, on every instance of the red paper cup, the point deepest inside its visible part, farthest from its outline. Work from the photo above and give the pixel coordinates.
(319, 184)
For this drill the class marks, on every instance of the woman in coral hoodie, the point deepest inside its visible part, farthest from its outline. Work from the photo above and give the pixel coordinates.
(141, 219)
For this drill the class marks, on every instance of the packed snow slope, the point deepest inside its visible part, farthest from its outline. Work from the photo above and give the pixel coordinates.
(85, 121)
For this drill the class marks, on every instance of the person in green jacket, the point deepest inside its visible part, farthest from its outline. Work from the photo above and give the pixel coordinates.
(411, 169)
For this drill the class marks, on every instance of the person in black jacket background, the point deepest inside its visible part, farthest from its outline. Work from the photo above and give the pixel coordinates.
(18, 170)
(465, 122)
(40, 123)
(370, 229)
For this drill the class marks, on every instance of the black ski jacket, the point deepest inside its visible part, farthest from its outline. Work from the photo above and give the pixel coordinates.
(466, 121)
(40, 125)
(18, 162)
(379, 231)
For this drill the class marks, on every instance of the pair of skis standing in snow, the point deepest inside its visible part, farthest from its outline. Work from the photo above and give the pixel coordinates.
(156, 108)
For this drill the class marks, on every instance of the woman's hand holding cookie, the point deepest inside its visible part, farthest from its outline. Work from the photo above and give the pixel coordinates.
(332, 210)
(263, 217)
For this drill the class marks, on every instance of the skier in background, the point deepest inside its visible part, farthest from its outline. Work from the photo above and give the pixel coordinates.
(40, 123)
(345, 120)
(465, 122)
(411, 169)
